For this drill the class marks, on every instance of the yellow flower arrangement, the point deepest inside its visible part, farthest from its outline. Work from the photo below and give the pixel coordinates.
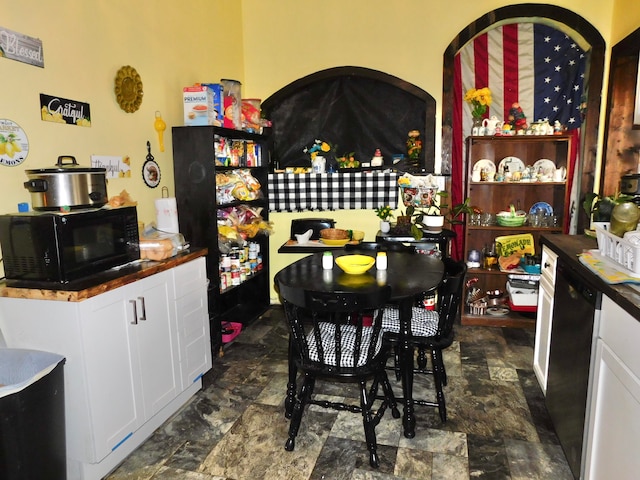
(319, 147)
(479, 99)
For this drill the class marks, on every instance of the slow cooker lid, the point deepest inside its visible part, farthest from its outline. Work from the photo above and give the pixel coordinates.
(66, 164)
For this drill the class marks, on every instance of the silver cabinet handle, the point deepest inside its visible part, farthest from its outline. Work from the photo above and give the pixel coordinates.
(144, 309)
(135, 312)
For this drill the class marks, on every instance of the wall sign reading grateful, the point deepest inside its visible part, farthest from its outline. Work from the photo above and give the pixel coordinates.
(63, 110)
(22, 48)
(14, 146)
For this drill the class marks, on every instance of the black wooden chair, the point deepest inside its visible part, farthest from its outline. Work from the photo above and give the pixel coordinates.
(380, 247)
(334, 337)
(431, 331)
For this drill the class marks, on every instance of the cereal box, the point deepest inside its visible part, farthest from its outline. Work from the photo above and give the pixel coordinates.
(218, 109)
(198, 105)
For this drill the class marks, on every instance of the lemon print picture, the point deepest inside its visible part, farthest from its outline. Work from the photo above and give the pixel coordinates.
(14, 146)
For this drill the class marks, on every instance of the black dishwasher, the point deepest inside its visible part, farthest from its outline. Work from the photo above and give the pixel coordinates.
(575, 308)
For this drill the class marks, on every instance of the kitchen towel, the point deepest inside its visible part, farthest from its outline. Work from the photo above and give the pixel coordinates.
(606, 269)
(167, 215)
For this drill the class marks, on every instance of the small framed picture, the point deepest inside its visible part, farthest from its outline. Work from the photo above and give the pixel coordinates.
(151, 173)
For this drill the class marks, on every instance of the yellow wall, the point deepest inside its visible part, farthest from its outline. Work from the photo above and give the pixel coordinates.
(171, 45)
(626, 19)
(266, 44)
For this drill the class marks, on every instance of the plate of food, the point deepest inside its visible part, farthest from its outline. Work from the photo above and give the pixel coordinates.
(544, 167)
(484, 164)
(511, 164)
(541, 207)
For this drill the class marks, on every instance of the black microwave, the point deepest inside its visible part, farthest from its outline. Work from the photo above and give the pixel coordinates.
(39, 248)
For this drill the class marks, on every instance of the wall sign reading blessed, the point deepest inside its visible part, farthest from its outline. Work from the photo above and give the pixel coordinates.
(22, 48)
(63, 110)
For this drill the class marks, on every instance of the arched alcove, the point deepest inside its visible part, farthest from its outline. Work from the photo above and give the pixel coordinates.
(355, 108)
(561, 18)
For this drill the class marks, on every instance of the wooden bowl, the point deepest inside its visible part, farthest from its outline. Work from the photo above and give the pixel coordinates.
(334, 234)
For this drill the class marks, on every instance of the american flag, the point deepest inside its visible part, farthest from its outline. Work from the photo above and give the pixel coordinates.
(535, 65)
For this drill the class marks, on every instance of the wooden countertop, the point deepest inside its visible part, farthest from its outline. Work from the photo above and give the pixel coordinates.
(103, 282)
(568, 247)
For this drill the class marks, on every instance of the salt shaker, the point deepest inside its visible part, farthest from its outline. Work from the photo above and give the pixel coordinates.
(381, 261)
(327, 261)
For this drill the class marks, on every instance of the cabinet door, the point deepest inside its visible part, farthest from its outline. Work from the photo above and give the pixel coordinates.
(192, 319)
(113, 387)
(155, 341)
(614, 421)
(544, 317)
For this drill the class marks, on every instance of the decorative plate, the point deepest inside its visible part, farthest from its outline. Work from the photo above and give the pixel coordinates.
(514, 164)
(498, 311)
(541, 207)
(484, 163)
(128, 88)
(544, 166)
(151, 173)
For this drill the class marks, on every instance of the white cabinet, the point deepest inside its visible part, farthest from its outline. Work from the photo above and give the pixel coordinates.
(134, 355)
(132, 329)
(614, 418)
(190, 279)
(544, 316)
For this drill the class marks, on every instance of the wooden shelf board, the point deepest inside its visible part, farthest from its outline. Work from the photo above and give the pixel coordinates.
(490, 321)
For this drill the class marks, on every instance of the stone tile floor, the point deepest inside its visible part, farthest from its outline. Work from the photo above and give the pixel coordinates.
(235, 429)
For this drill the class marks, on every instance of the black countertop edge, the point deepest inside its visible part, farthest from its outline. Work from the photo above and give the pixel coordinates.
(568, 247)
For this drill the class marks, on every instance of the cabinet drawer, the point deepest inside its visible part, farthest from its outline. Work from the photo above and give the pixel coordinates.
(548, 266)
(189, 277)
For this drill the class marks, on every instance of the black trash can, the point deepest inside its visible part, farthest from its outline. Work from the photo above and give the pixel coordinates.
(32, 431)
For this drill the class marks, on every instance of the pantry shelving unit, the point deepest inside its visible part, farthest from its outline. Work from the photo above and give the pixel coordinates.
(195, 170)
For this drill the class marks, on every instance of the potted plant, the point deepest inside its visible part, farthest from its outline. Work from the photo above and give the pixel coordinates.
(408, 222)
(599, 208)
(433, 217)
(457, 211)
(384, 214)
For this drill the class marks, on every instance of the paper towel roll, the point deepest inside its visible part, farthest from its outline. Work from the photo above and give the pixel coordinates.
(167, 215)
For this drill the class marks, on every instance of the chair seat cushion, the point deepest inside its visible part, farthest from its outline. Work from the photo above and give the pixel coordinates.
(347, 342)
(424, 323)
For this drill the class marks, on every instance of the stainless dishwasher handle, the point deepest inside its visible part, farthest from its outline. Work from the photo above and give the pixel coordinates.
(135, 312)
(144, 309)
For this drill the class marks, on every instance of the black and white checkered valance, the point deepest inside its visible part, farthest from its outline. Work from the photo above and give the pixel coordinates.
(290, 192)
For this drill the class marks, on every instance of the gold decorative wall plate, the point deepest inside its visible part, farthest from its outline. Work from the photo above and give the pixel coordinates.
(128, 89)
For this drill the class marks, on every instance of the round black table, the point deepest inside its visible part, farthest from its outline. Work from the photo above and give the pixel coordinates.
(407, 274)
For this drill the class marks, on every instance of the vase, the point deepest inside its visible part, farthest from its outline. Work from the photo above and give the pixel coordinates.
(477, 129)
(385, 226)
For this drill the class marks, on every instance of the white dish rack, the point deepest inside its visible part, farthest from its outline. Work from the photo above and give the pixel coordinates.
(618, 249)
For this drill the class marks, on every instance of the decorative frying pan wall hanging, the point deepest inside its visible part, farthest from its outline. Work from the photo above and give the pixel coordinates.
(150, 169)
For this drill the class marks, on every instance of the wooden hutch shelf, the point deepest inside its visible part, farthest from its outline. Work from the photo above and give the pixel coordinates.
(493, 196)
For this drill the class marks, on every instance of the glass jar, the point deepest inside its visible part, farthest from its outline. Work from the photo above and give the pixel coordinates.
(624, 218)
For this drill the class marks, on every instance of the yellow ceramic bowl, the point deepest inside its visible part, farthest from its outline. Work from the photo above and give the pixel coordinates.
(355, 264)
(335, 243)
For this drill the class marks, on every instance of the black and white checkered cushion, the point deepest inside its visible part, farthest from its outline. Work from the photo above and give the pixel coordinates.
(424, 323)
(327, 337)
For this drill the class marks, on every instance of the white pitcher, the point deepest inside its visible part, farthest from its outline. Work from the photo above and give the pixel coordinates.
(559, 174)
(492, 125)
